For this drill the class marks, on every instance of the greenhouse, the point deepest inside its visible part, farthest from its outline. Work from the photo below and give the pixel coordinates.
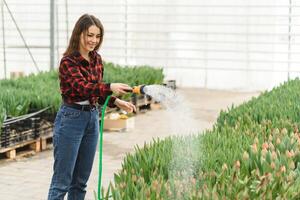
(148, 100)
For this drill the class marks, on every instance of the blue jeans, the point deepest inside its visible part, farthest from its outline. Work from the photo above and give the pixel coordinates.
(75, 139)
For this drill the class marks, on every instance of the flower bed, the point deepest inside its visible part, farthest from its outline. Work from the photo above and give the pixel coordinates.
(252, 152)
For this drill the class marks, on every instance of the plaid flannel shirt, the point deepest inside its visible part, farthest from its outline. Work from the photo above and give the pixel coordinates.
(81, 80)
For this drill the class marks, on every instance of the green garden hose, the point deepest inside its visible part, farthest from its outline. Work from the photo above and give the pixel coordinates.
(100, 146)
(136, 90)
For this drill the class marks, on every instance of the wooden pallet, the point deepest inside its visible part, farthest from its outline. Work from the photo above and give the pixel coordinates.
(142, 105)
(46, 141)
(22, 149)
(46, 135)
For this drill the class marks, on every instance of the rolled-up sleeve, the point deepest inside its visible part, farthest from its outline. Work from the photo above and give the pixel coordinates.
(111, 102)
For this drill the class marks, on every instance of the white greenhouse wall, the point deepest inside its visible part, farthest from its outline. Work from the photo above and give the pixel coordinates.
(229, 44)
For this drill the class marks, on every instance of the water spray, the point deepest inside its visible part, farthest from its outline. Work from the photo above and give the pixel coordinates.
(175, 105)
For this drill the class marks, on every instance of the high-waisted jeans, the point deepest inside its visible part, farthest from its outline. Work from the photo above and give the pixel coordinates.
(75, 139)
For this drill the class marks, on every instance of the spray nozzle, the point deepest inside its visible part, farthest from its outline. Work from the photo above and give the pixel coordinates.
(138, 89)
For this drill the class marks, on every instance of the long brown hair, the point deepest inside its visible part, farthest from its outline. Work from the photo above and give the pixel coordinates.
(82, 25)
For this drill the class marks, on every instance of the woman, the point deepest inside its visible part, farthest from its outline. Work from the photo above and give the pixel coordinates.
(76, 126)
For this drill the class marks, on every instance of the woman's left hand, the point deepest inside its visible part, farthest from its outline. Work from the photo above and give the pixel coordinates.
(124, 105)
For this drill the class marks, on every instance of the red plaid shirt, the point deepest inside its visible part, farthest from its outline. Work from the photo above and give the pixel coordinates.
(81, 80)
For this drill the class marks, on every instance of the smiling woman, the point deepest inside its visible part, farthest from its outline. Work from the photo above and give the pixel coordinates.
(76, 125)
(87, 27)
(89, 40)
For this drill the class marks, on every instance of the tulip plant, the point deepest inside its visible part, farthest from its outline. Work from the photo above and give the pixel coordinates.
(252, 152)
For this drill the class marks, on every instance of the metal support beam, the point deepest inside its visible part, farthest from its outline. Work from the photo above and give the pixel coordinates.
(57, 32)
(21, 35)
(52, 33)
(67, 20)
(3, 38)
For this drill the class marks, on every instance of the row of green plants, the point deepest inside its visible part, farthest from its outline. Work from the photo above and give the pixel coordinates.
(30, 93)
(279, 103)
(252, 152)
(35, 92)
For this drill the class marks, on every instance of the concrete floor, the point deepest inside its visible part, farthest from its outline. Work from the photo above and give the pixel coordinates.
(29, 178)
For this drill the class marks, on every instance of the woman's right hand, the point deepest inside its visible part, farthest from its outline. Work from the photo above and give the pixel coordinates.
(120, 88)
